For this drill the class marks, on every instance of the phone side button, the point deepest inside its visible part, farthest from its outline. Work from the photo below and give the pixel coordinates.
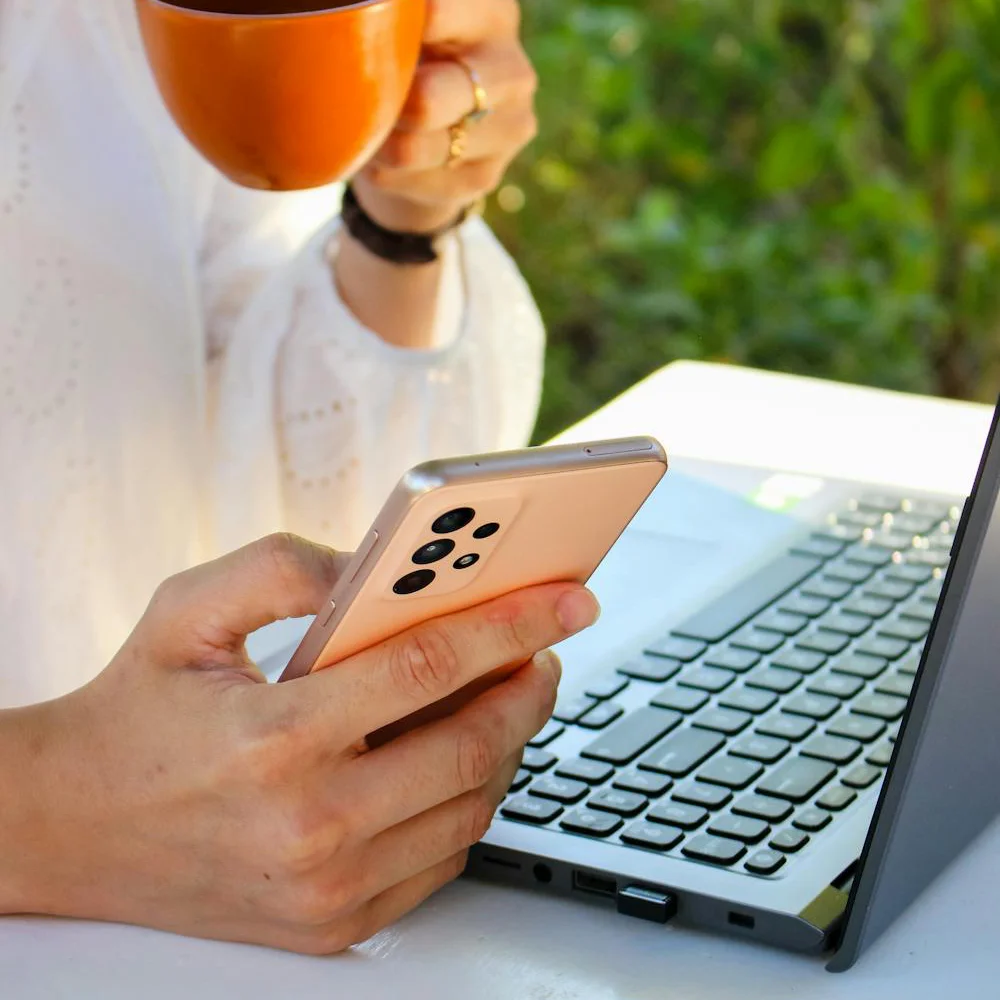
(363, 554)
(331, 611)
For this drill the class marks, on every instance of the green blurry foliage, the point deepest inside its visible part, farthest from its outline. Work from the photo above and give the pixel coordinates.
(810, 187)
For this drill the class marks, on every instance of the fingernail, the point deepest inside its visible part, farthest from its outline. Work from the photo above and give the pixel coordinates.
(577, 610)
(549, 661)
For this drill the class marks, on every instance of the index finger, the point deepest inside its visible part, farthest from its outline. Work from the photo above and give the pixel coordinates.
(455, 24)
(428, 663)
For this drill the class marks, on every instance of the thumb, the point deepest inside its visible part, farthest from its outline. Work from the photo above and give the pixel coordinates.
(220, 603)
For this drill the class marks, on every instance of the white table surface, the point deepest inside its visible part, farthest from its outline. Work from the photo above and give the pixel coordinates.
(479, 941)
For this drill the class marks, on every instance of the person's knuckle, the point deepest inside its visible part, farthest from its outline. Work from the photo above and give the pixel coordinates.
(477, 818)
(479, 754)
(280, 555)
(401, 150)
(425, 663)
(423, 98)
(510, 623)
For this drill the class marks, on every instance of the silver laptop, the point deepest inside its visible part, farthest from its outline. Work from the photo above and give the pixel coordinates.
(796, 756)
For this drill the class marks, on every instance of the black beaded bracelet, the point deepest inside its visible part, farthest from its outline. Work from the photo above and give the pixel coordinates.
(395, 247)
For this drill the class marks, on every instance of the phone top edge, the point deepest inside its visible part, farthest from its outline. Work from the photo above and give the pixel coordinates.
(430, 476)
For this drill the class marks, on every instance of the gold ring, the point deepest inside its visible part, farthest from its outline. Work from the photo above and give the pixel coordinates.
(482, 99)
(457, 137)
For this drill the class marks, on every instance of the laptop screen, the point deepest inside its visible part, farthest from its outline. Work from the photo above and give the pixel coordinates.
(941, 790)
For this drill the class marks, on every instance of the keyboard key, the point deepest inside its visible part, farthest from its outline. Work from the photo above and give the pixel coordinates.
(528, 809)
(643, 782)
(550, 731)
(716, 850)
(573, 709)
(679, 754)
(890, 540)
(593, 824)
(835, 749)
(930, 508)
(697, 794)
(797, 779)
(871, 607)
(730, 772)
(775, 679)
(894, 732)
(677, 814)
(627, 804)
(884, 646)
(909, 573)
(537, 761)
(849, 572)
(881, 706)
(814, 706)
(822, 641)
(915, 524)
(731, 658)
(591, 771)
(745, 828)
(805, 661)
(762, 807)
(680, 699)
(861, 665)
(649, 668)
(757, 592)
(789, 841)
(758, 640)
(748, 700)
(881, 756)
(764, 862)
(819, 546)
(563, 790)
(862, 776)
(521, 779)
(766, 749)
(890, 590)
(781, 621)
(909, 629)
(811, 607)
(899, 685)
(677, 648)
(812, 820)
(607, 686)
(837, 685)
(935, 558)
(707, 679)
(910, 665)
(603, 715)
(933, 590)
(827, 588)
(860, 518)
(856, 727)
(786, 727)
(866, 555)
(882, 503)
(844, 623)
(921, 611)
(722, 720)
(842, 532)
(652, 836)
(626, 739)
(836, 798)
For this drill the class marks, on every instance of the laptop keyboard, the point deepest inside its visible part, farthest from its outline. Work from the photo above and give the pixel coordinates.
(755, 727)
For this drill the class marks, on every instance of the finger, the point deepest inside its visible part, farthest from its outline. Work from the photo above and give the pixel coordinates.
(449, 758)
(442, 92)
(434, 836)
(222, 602)
(459, 185)
(453, 23)
(502, 134)
(422, 666)
(392, 905)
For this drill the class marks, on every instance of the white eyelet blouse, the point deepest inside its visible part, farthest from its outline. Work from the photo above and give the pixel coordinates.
(177, 373)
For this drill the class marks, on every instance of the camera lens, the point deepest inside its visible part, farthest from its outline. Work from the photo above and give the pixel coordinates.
(454, 520)
(486, 531)
(413, 583)
(467, 562)
(434, 552)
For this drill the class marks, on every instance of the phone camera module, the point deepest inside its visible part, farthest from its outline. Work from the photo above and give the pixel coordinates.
(486, 531)
(413, 583)
(467, 562)
(454, 520)
(434, 552)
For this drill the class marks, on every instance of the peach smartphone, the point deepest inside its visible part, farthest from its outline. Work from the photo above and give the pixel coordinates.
(461, 532)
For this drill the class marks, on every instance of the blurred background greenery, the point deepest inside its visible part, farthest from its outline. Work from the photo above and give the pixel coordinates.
(808, 186)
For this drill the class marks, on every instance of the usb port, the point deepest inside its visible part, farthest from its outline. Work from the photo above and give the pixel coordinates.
(596, 885)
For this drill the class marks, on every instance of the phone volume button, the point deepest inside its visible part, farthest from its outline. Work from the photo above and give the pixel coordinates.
(364, 553)
(331, 611)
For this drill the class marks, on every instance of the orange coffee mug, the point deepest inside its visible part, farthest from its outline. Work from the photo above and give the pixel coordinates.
(279, 94)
